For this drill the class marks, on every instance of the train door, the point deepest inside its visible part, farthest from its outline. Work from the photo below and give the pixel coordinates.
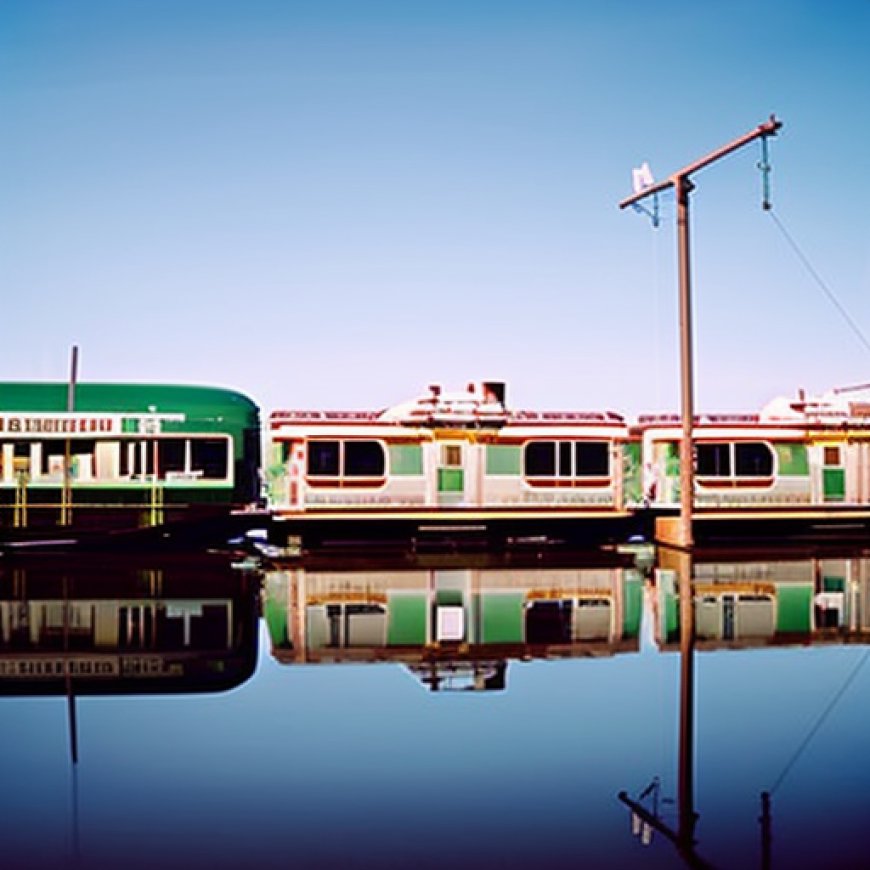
(833, 473)
(728, 617)
(451, 472)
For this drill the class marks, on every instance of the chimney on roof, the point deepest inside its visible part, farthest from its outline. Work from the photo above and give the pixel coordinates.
(494, 391)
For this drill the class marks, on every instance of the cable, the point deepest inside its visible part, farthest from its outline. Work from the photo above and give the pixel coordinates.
(825, 713)
(828, 292)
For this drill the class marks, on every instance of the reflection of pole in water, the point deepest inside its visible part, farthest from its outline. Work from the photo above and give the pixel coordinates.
(70, 695)
(76, 845)
(644, 820)
(686, 786)
(766, 832)
(73, 727)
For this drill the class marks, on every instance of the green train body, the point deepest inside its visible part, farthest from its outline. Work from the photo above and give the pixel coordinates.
(127, 456)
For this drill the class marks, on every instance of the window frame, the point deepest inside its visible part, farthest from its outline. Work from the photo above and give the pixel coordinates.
(734, 478)
(341, 478)
(565, 462)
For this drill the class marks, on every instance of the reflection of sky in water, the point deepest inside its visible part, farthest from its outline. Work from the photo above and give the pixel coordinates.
(361, 766)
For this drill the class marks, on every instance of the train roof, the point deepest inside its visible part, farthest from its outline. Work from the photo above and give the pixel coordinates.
(479, 405)
(144, 398)
(834, 408)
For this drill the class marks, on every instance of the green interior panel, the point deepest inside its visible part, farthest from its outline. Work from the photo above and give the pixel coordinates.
(632, 471)
(672, 459)
(794, 608)
(792, 460)
(449, 597)
(502, 617)
(834, 483)
(407, 619)
(275, 614)
(503, 459)
(669, 613)
(406, 459)
(834, 584)
(451, 480)
(632, 590)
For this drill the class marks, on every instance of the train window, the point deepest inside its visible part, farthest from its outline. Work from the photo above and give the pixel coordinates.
(323, 458)
(125, 459)
(364, 459)
(714, 460)
(740, 459)
(540, 459)
(567, 459)
(210, 456)
(592, 459)
(170, 454)
(451, 455)
(82, 446)
(54, 454)
(565, 469)
(753, 459)
(137, 459)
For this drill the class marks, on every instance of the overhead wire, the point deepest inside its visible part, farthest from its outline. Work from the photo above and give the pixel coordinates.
(764, 166)
(818, 279)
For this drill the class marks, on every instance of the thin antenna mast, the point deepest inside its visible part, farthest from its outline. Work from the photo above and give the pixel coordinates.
(682, 184)
(66, 494)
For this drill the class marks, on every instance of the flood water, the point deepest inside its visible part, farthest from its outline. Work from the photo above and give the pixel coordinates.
(448, 711)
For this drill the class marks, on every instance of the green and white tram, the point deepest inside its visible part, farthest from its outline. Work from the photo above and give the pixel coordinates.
(127, 456)
(452, 465)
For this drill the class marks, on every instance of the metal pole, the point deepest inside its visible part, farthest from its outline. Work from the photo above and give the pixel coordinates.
(683, 187)
(66, 496)
(73, 377)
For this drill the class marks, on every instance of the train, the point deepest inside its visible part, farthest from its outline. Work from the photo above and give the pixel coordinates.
(442, 469)
(110, 460)
(451, 461)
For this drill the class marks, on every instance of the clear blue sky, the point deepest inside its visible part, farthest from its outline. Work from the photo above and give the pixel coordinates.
(333, 204)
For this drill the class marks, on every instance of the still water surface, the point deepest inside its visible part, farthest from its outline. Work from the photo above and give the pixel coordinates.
(446, 712)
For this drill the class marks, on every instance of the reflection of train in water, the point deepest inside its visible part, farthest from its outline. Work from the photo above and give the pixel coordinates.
(767, 600)
(463, 460)
(118, 626)
(452, 626)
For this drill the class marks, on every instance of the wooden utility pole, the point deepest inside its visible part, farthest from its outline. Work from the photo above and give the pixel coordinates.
(681, 182)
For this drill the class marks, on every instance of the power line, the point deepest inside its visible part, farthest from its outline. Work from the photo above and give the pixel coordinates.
(825, 713)
(827, 290)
